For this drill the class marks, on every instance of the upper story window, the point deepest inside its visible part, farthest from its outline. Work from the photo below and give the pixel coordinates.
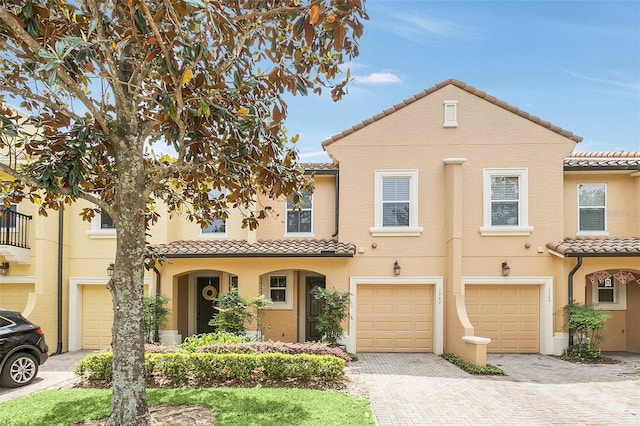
(396, 203)
(450, 114)
(592, 206)
(300, 215)
(102, 226)
(506, 202)
(106, 222)
(218, 228)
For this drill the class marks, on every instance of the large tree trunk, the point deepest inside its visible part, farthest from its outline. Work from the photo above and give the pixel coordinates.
(129, 401)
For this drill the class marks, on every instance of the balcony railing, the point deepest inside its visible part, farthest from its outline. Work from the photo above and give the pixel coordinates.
(14, 228)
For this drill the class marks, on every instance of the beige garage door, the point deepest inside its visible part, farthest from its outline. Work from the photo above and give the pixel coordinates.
(394, 318)
(509, 315)
(97, 317)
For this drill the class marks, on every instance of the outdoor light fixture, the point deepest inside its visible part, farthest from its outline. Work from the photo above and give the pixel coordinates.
(505, 269)
(396, 268)
(4, 268)
(110, 269)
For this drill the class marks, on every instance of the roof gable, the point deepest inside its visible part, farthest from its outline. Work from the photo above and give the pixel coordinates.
(465, 87)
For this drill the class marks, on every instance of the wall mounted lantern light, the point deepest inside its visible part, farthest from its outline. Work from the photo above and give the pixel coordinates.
(110, 269)
(505, 269)
(4, 268)
(396, 268)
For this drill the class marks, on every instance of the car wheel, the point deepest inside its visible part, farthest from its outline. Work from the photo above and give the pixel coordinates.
(19, 370)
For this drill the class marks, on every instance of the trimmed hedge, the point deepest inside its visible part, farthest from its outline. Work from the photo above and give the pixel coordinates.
(206, 369)
(276, 347)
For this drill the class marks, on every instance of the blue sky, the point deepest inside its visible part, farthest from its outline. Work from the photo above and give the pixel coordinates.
(573, 63)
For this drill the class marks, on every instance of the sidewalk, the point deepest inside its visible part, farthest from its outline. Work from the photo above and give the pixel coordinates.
(56, 373)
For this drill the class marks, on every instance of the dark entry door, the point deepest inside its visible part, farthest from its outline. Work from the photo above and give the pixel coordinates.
(206, 288)
(313, 309)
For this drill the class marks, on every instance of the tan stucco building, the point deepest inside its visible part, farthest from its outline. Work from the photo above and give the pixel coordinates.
(457, 222)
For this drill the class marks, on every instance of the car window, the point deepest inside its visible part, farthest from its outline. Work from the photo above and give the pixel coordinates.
(5, 322)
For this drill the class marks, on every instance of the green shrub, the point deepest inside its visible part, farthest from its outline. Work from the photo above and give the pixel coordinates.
(155, 315)
(205, 369)
(488, 370)
(334, 306)
(192, 342)
(587, 324)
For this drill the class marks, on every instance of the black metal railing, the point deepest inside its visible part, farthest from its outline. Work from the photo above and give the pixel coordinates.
(14, 228)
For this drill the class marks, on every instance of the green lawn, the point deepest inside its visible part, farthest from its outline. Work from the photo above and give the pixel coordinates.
(232, 406)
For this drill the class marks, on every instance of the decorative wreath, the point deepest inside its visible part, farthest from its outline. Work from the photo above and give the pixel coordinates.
(209, 292)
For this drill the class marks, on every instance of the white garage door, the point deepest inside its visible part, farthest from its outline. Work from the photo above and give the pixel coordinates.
(97, 317)
(508, 314)
(394, 318)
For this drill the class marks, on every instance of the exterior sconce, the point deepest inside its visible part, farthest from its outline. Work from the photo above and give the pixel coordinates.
(396, 268)
(505, 269)
(110, 269)
(4, 268)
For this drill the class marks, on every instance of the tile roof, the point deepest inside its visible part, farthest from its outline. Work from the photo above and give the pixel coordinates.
(263, 248)
(319, 166)
(595, 247)
(462, 86)
(619, 160)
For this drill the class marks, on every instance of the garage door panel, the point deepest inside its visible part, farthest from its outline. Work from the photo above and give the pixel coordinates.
(97, 317)
(508, 314)
(401, 319)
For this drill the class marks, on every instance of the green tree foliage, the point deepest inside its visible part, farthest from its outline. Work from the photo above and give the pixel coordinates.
(334, 307)
(129, 104)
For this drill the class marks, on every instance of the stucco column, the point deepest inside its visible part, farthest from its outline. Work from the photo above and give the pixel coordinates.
(459, 331)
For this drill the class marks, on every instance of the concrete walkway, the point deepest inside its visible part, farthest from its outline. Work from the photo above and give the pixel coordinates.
(56, 373)
(424, 389)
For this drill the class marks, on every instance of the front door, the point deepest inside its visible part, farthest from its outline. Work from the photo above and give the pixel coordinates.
(313, 309)
(207, 288)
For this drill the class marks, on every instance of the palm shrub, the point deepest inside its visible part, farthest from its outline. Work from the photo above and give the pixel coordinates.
(587, 324)
(334, 305)
(155, 315)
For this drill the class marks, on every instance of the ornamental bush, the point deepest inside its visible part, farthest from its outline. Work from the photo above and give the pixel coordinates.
(276, 347)
(191, 343)
(209, 369)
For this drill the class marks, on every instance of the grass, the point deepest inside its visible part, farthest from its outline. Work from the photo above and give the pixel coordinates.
(232, 406)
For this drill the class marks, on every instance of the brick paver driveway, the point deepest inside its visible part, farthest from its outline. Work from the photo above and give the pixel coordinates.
(423, 389)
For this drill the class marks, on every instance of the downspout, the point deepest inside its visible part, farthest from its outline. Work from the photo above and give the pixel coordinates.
(335, 234)
(60, 246)
(570, 293)
(156, 333)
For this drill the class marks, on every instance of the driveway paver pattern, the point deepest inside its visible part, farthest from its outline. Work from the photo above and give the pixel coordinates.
(424, 389)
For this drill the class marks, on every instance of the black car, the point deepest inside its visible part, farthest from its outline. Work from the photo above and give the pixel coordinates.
(22, 349)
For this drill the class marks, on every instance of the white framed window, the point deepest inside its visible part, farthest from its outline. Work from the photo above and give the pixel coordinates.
(592, 208)
(218, 228)
(102, 226)
(277, 286)
(450, 114)
(396, 203)
(299, 218)
(505, 202)
(609, 294)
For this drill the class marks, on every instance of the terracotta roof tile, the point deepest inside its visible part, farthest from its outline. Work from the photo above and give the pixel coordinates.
(319, 166)
(619, 160)
(593, 247)
(267, 248)
(462, 86)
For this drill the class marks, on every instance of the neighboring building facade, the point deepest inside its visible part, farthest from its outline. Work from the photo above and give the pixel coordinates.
(455, 220)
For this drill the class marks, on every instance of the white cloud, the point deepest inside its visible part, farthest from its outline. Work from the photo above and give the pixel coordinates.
(378, 78)
(616, 83)
(425, 29)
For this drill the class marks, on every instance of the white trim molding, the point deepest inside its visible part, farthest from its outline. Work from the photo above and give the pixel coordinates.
(413, 229)
(438, 308)
(546, 302)
(522, 228)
